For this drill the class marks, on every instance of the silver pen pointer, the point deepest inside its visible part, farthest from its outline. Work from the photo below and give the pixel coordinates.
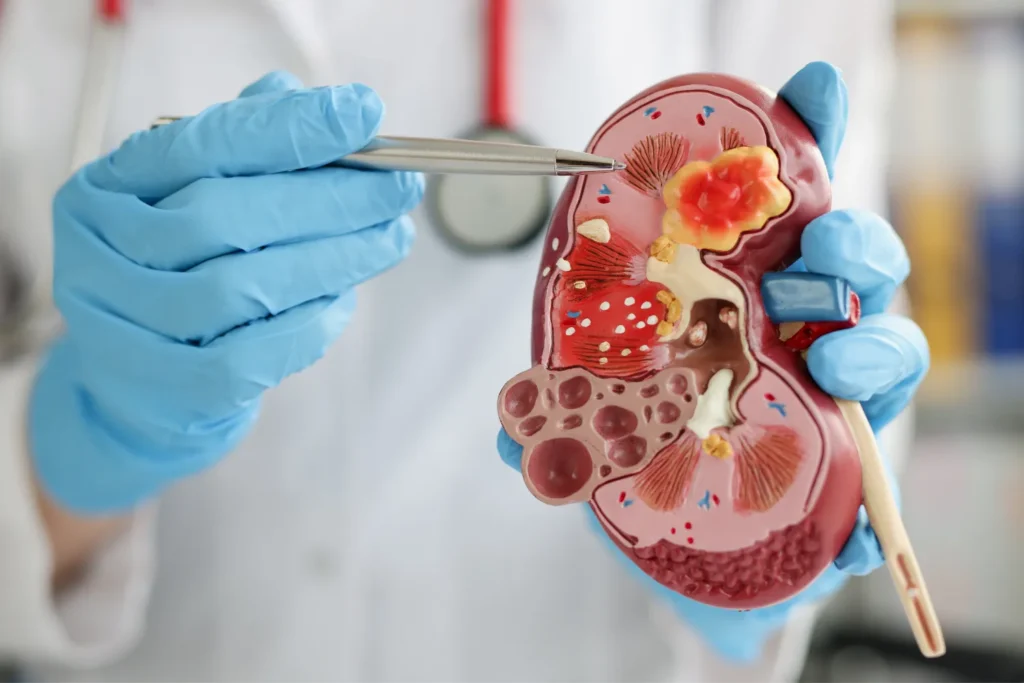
(436, 155)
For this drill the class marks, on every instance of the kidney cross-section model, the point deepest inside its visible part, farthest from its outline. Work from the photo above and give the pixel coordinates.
(661, 393)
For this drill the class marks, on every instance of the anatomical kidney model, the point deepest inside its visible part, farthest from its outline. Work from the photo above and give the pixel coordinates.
(661, 393)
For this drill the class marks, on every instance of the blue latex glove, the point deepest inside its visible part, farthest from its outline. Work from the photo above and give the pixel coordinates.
(197, 266)
(880, 363)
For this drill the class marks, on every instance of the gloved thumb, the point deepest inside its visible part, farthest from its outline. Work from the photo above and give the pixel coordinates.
(275, 81)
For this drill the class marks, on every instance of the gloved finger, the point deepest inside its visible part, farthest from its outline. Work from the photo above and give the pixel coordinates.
(215, 217)
(511, 453)
(861, 248)
(260, 134)
(880, 363)
(274, 81)
(260, 355)
(199, 386)
(225, 293)
(220, 294)
(818, 95)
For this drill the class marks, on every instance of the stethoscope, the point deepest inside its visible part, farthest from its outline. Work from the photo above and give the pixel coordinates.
(477, 214)
(27, 315)
(491, 213)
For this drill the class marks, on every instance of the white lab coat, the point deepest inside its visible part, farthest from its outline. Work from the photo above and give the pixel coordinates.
(367, 529)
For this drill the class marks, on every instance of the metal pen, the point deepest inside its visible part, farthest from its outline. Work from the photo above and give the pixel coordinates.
(439, 155)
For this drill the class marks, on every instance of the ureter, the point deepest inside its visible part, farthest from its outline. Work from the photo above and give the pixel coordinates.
(690, 280)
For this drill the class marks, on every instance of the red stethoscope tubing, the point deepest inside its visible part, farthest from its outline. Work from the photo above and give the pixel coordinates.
(497, 87)
(110, 11)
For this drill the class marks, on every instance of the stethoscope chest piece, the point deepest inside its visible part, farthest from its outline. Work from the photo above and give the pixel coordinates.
(483, 213)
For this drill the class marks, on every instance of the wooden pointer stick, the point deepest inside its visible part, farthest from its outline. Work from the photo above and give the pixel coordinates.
(806, 306)
(892, 535)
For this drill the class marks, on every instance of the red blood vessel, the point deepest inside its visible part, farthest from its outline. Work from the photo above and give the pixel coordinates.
(661, 393)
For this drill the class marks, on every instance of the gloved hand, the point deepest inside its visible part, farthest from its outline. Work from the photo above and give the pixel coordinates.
(880, 363)
(197, 266)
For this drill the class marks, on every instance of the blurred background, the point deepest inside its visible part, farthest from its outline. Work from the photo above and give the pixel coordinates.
(956, 190)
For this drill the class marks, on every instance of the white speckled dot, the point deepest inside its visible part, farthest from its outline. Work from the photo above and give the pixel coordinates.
(585, 322)
(605, 305)
(602, 361)
(630, 301)
(620, 329)
(563, 265)
(570, 331)
(645, 347)
(631, 316)
(652, 320)
(645, 305)
(554, 243)
(641, 325)
(546, 271)
(625, 352)
(604, 346)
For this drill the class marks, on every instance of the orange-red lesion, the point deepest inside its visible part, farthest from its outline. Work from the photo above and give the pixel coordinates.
(710, 204)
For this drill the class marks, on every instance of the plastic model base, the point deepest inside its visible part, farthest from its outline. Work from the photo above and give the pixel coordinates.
(662, 394)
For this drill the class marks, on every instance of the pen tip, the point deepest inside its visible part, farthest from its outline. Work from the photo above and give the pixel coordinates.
(572, 163)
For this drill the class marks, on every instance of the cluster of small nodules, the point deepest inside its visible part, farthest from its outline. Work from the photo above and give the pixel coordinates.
(786, 557)
(575, 425)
